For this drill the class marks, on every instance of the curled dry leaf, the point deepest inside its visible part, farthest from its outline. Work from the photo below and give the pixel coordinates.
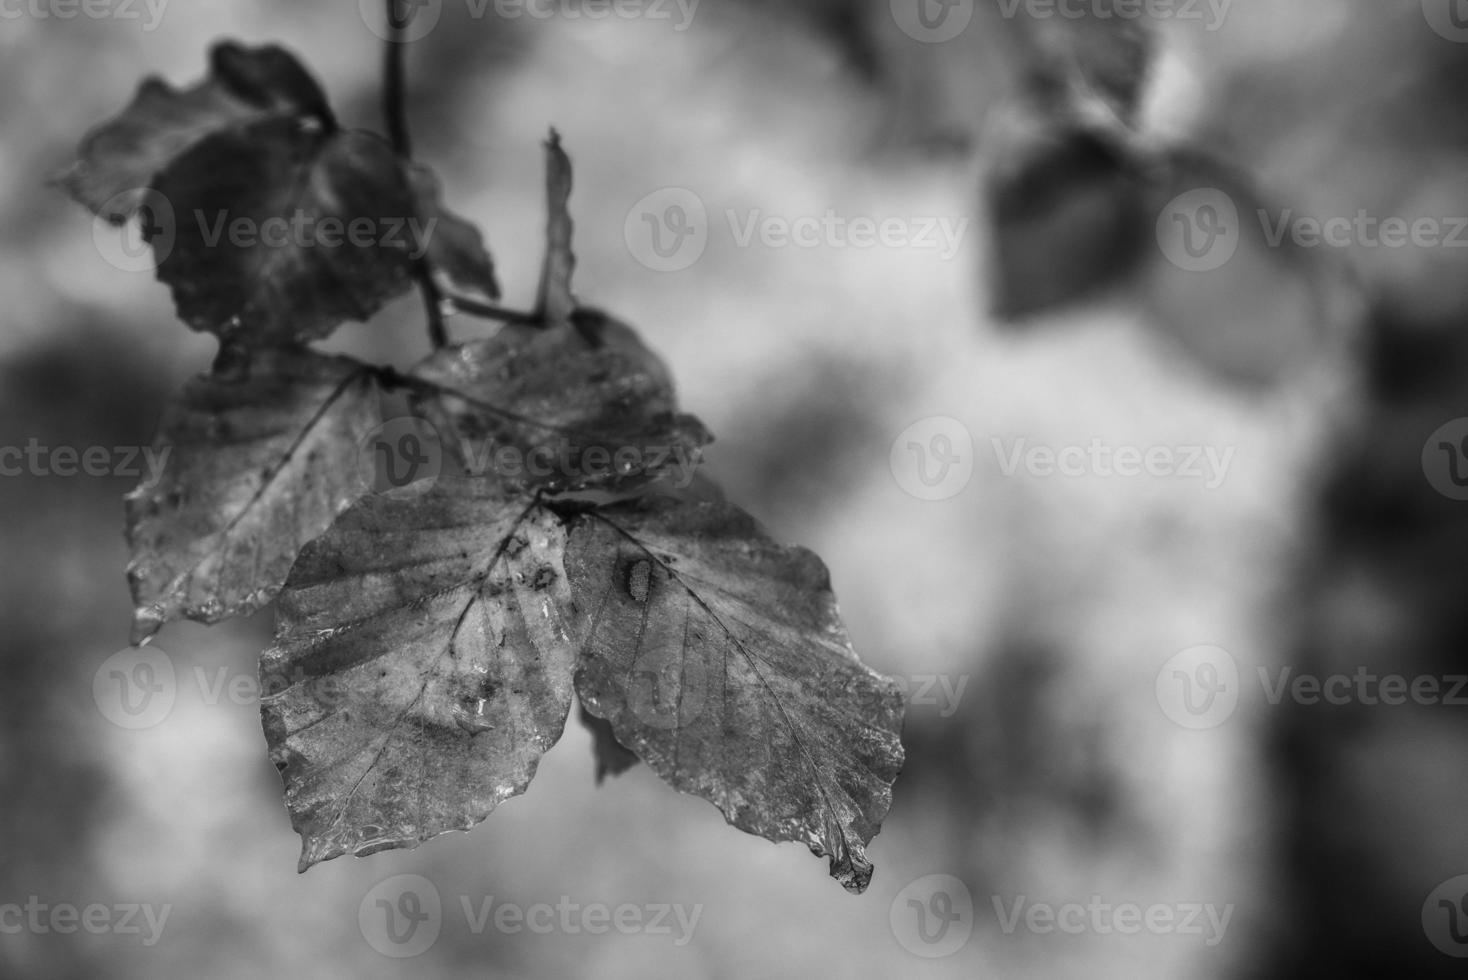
(612, 757)
(119, 159)
(260, 458)
(455, 248)
(282, 231)
(420, 667)
(270, 224)
(556, 302)
(1069, 218)
(574, 416)
(719, 658)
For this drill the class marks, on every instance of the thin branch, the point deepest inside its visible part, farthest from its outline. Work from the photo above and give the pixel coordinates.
(489, 311)
(394, 111)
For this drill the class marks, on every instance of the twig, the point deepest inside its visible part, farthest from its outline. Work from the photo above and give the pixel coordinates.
(395, 113)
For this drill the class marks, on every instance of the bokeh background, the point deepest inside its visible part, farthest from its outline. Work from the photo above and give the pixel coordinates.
(1036, 612)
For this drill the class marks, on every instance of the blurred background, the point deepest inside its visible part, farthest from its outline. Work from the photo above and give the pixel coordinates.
(1096, 736)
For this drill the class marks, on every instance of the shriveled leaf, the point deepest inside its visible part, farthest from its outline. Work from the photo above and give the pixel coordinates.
(719, 658)
(574, 415)
(119, 159)
(612, 757)
(456, 251)
(1261, 310)
(1068, 216)
(556, 302)
(261, 457)
(420, 667)
(284, 230)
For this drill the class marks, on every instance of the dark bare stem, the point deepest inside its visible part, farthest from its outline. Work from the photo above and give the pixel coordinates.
(394, 110)
(489, 311)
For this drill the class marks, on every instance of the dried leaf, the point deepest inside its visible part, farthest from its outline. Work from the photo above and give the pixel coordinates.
(575, 416)
(261, 458)
(456, 251)
(612, 757)
(284, 230)
(1069, 219)
(556, 303)
(719, 658)
(119, 159)
(420, 667)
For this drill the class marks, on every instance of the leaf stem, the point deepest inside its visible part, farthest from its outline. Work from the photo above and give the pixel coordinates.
(490, 311)
(395, 114)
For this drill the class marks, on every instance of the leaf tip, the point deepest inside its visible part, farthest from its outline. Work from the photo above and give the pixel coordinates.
(147, 621)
